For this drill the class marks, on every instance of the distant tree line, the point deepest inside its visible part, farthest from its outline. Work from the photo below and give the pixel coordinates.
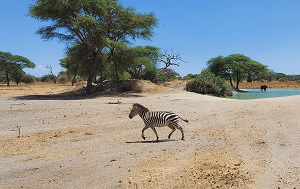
(234, 68)
(143, 66)
(271, 76)
(238, 67)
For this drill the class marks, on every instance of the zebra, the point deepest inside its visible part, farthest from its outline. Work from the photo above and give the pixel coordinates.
(156, 119)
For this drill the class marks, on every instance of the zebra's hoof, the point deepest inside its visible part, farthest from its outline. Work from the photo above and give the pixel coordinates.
(144, 138)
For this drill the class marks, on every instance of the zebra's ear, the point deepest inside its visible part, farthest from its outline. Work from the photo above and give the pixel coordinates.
(133, 105)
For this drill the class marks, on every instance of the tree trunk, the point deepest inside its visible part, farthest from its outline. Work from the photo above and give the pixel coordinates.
(91, 75)
(7, 79)
(73, 79)
(74, 75)
(89, 84)
(116, 71)
(101, 71)
(230, 80)
(237, 82)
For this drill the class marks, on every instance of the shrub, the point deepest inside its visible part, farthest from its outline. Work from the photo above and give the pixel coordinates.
(207, 83)
(190, 76)
(62, 78)
(283, 80)
(28, 79)
(48, 78)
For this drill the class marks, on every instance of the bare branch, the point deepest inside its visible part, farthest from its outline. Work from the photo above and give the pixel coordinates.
(50, 69)
(171, 59)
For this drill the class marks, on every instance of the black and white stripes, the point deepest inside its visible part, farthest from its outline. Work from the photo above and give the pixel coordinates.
(156, 119)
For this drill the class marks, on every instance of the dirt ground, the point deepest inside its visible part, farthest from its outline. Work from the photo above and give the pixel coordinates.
(90, 142)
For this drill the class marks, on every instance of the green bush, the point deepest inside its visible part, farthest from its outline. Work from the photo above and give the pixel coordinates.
(207, 83)
(190, 76)
(48, 78)
(149, 73)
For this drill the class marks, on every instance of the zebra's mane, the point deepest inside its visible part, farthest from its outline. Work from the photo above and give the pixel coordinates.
(141, 107)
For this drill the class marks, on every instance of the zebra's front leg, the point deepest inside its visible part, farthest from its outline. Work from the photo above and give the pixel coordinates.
(146, 127)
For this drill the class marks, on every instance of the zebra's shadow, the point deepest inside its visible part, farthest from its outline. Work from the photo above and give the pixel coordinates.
(151, 141)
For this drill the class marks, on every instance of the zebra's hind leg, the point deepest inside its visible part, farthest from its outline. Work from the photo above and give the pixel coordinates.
(173, 129)
(182, 134)
(154, 130)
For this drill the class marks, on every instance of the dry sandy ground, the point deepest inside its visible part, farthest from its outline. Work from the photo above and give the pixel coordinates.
(91, 143)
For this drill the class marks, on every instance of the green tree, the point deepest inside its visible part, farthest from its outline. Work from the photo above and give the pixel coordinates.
(236, 64)
(10, 64)
(235, 67)
(255, 70)
(17, 74)
(101, 26)
(140, 59)
(76, 62)
(219, 67)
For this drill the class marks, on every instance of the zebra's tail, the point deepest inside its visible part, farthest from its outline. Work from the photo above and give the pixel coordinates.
(185, 120)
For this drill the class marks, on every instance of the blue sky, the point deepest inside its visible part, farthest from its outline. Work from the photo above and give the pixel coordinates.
(267, 31)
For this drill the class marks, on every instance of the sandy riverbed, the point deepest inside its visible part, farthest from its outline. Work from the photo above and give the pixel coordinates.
(91, 143)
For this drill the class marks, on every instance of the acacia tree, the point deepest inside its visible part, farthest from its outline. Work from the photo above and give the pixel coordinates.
(235, 67)
(10, 63)
(98, 25)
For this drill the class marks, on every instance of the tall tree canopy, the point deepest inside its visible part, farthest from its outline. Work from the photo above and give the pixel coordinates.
(76, 61)
(139, 59)
(236, 67)
(100, 26)
(12, 65)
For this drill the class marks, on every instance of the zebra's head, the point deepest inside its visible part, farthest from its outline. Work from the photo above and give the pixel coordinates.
(137, 109)
(134, 111)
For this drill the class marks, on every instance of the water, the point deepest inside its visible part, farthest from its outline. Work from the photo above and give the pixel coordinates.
(270, 93)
